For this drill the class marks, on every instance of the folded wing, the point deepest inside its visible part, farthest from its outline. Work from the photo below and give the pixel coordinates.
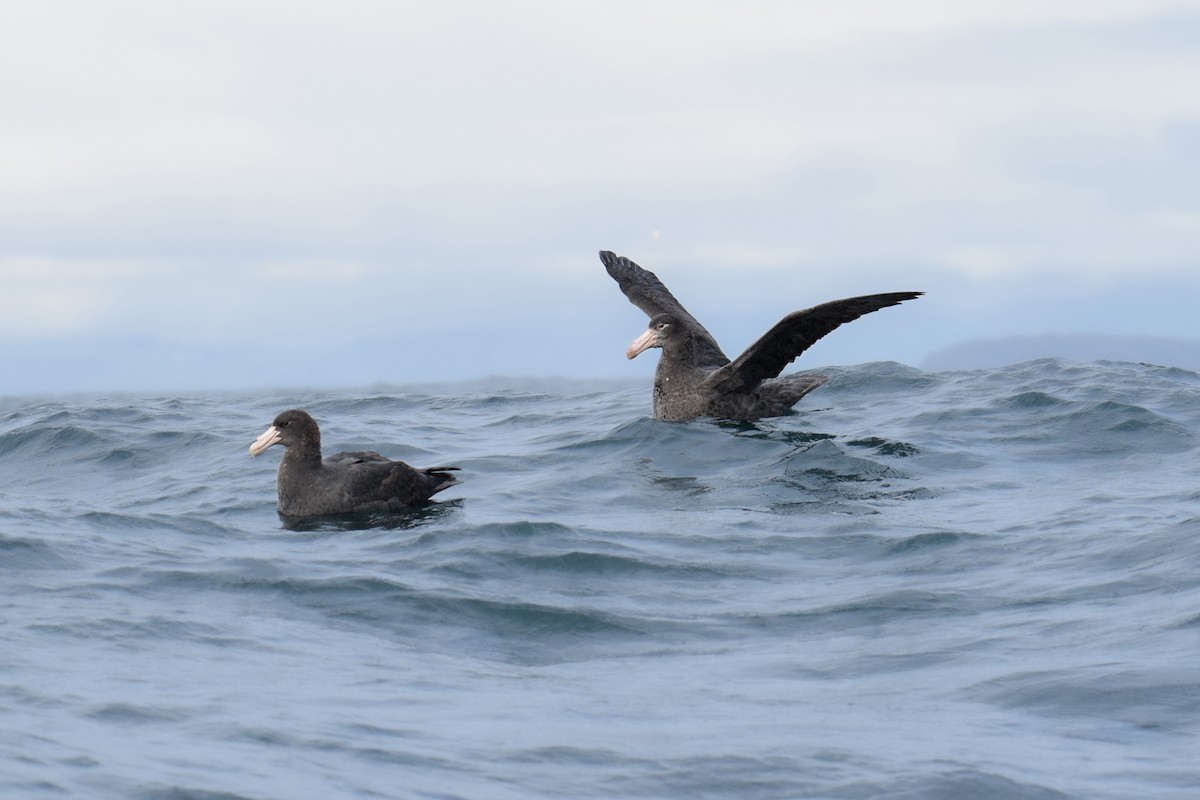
(356, 457)
(386, 480)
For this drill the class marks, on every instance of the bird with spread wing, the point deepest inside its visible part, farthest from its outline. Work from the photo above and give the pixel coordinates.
(695, 379)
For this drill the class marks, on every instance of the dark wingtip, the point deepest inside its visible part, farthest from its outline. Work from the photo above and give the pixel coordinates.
(899, 297)
(618, 267)
(896, 298)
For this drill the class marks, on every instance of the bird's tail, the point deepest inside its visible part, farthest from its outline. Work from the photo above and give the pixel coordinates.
(789, 389)
(444, 479)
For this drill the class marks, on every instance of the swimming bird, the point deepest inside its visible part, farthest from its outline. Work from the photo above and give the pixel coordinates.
(346, 482)
(695, 379)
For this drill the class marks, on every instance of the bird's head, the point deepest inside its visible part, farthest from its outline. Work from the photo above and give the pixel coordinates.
(289, 428)
(660, 332)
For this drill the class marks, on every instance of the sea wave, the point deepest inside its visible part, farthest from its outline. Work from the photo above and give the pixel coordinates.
(919, 584)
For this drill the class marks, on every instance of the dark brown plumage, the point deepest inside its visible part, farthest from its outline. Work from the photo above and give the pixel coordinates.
(308, 486)
(695, 379)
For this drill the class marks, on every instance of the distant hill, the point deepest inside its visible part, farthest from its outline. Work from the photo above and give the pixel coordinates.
(141, 364)
(133, 364)
(985, 353)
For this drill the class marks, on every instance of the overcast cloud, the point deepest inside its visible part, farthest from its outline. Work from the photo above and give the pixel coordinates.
(435, 179)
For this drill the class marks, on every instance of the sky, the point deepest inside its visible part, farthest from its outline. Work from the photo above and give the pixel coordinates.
(223, 195)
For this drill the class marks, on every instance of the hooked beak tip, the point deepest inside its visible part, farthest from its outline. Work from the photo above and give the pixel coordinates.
(269, 437)
(644, 342)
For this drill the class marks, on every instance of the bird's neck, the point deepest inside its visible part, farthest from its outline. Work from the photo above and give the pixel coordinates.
(302, 456)
(677, 368)
(679, 350)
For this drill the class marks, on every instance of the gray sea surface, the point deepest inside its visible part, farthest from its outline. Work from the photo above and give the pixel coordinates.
(971, 584)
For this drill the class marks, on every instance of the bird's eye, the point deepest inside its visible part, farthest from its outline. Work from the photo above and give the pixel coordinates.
(281, 424)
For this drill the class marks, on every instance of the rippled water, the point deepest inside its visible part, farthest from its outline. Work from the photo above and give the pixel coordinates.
(923, 585)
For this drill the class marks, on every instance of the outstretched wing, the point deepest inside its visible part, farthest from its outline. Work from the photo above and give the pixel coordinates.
(647, 292)
(794, 334)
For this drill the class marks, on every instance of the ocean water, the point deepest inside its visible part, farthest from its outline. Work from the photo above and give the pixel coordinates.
(978, 584)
